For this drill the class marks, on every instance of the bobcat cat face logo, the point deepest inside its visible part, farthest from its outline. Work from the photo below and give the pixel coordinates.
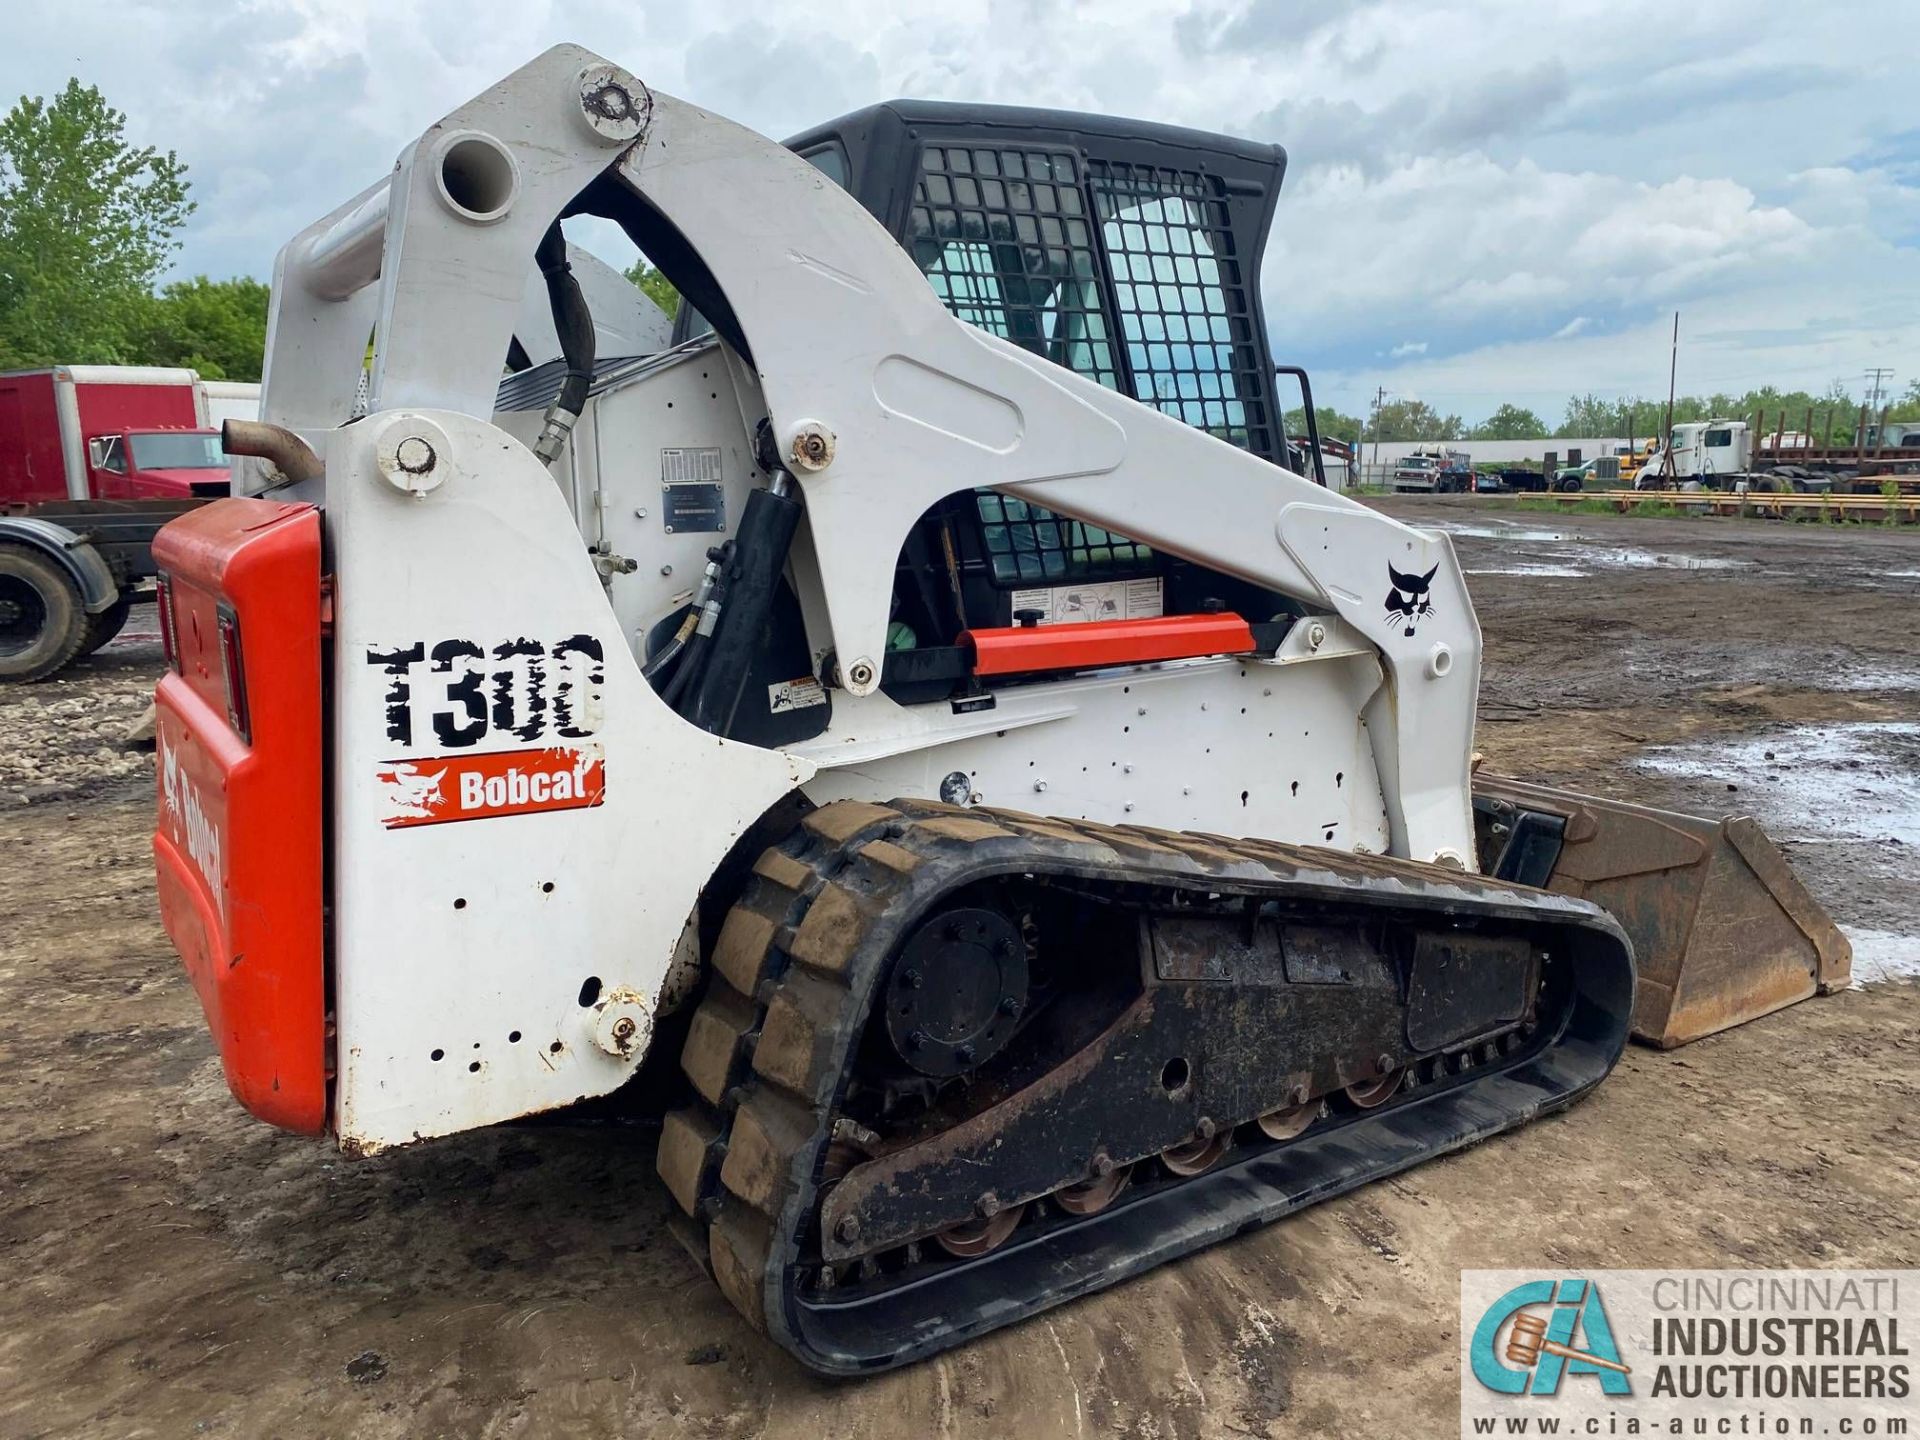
(1407, 600)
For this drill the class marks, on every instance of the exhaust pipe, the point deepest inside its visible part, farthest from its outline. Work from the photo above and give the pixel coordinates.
(287, 452)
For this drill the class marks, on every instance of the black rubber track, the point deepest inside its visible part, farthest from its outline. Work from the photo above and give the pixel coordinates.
(808, 943)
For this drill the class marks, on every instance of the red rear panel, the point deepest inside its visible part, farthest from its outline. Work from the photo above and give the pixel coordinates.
(31, 466)
(238, 843)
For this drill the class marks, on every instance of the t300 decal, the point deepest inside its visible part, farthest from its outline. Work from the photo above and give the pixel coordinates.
(467, 692)
(452, 697)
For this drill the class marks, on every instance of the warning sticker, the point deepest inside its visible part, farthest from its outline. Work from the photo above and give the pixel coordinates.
(479, 787)
(800, 694)
(1111, 600)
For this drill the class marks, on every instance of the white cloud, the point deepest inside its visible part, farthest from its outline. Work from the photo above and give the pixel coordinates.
(1526, 187)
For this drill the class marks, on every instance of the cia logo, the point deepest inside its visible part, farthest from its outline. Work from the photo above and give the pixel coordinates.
(1407, 599)
(1518, 1350)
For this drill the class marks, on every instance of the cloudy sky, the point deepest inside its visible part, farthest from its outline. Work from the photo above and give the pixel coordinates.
(1488, 200)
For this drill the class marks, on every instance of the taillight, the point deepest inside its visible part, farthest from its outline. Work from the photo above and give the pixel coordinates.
(234, 673)
(163, 602)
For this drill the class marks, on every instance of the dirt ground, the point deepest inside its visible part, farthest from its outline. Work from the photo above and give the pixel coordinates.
(175, 1268)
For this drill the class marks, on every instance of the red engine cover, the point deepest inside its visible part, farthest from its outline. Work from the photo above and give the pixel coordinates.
(238, 843)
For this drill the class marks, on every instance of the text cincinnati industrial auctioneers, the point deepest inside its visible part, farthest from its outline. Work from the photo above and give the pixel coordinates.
(1688, 1352)
(1751, 1350)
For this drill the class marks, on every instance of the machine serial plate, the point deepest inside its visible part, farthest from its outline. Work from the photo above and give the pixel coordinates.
(694, 507)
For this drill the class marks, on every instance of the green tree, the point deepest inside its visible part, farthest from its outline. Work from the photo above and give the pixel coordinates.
(1509, 422)
(1414, 420)
(1589, 415)
(218, 327)
(87, 223)
(654, 285)
(1333, 425)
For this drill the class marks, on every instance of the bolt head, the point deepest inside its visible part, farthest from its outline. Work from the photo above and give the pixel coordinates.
(414, 455)
(988, 1205)
(613, 104)
(911, 979)
(812, 447)
(917, 1040)
(848, 1230)
(1206, 1129)
(1383, 1062)
(1010, 1007)
(1102, 1164)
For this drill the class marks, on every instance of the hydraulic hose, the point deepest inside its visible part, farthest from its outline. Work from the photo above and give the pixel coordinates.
(690, 666)
(697, 613)
(573, 323)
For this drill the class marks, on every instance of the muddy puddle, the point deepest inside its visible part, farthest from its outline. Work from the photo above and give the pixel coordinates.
(1626, 558)
(1553, 554)
(1822, 785)
(1812, 783)
(1498, 530)
(1880, 955)
(1568, 572)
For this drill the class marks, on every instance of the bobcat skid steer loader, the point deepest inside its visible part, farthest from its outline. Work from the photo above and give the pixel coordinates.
(1038, 823)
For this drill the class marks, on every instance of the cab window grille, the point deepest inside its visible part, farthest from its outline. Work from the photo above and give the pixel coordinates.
(1004, 239)
(1185, 317)
(1028, 544)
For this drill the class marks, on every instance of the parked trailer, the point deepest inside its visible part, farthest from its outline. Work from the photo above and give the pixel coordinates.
(94, 459)
(1724, 454)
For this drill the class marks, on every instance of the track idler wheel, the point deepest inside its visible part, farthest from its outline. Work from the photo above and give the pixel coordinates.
(1200, 1154)
(1370, 1094)
(1096, 1192)
(979, 1237)
(1290, 1122)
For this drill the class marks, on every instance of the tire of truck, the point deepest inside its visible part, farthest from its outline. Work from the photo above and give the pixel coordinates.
(103, 627)
(43, 623)
(1569, 486)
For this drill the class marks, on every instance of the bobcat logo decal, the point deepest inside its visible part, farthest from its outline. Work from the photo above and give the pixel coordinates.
(1407, 599)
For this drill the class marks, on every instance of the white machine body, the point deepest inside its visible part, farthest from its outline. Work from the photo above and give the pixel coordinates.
(491, 614)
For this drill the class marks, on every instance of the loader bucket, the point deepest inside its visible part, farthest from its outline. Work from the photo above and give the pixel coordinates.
(1722, 929)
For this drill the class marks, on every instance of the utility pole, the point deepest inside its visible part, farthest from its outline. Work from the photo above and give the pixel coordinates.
(1379, 399)
(1673, 370)
(1876, 377)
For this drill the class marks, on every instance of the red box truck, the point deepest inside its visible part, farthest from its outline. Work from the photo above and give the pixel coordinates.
(94, 459)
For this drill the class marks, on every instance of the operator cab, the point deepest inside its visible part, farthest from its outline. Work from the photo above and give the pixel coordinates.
(1127, 252)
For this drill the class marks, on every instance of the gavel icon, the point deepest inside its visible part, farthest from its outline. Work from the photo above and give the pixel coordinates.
(1527, 1342)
